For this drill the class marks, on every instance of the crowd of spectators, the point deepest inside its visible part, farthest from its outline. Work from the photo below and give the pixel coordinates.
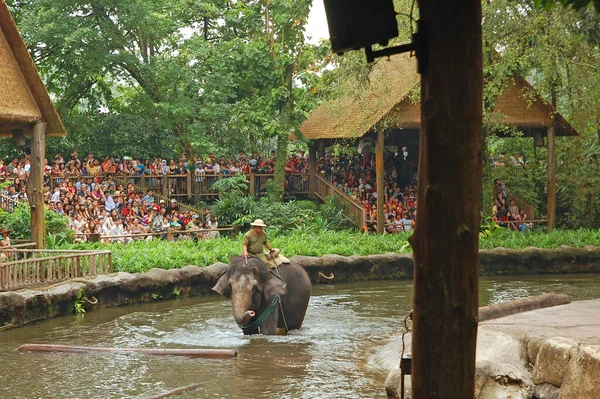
(355, 176)
(508, 215)
(86, 191)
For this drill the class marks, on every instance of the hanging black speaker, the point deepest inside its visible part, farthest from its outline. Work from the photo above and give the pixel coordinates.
(354, 24)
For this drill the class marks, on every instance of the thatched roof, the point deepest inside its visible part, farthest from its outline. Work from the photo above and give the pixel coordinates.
(390, 84)
(23, 96)
(520, 105)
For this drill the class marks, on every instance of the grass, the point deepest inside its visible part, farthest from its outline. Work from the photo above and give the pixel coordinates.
(141, 256)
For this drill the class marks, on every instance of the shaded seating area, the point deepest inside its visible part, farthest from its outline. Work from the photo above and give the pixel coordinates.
(26, 111)
(385, 115)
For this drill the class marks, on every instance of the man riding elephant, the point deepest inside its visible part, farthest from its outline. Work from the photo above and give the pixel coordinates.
(254, 241)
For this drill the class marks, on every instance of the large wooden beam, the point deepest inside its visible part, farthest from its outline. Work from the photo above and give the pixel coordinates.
(551, 169)
(35, 185)
(379, 171)
(446, 238)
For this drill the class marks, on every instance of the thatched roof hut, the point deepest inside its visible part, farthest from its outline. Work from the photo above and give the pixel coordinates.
(388, 97)
(23, 96)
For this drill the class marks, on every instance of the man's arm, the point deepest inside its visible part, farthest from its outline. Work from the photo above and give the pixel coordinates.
(245, 243)
(268, 246)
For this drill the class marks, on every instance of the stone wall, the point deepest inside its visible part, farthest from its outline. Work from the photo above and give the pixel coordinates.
(25, 306)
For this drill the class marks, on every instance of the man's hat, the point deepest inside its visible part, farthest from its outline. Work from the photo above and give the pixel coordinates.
(258, 222)
(4, 230)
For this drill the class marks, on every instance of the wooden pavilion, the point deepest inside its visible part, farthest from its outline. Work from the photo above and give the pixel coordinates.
(26, 110)
(387, 113)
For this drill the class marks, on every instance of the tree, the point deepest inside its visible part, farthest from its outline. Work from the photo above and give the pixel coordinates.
(558, 51)
(195, 77)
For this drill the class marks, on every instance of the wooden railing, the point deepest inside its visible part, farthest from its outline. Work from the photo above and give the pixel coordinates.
(8, 204)
(352, 210)
(169, 235)
(190, 187)
(31, 267)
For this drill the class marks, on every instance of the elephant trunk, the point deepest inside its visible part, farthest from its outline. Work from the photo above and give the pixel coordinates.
(240, 303)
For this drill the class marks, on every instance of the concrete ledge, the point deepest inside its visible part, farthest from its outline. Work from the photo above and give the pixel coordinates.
(522, 305)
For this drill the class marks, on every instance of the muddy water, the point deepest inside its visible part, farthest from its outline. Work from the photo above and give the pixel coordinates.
(336, 355)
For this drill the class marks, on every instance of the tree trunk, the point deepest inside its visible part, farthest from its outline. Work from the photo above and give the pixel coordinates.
(446, 238)
(551, 167)
(278, 189)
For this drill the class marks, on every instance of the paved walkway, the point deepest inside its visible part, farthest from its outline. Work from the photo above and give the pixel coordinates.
(579, 321)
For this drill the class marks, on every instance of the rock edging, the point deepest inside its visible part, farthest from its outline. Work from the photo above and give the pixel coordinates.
(26, 306)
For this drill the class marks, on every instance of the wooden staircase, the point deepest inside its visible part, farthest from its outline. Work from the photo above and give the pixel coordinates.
(352, 210)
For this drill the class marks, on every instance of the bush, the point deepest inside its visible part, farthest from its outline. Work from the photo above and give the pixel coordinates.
(19, 222)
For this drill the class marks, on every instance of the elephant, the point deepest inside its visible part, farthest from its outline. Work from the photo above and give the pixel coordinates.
(260, 296)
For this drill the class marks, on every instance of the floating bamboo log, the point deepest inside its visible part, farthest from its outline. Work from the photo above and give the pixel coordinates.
(208, 353)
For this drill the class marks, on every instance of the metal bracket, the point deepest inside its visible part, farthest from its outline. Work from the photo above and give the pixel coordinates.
(418, 45)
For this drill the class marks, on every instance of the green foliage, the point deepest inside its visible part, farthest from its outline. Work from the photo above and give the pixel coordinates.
(78, 303)
(557, 50)
(19, 222)
(141, 256)
(237, 184)
(176, 75)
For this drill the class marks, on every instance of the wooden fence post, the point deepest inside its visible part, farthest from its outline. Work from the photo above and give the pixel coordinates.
(189, 186)
(252, 184)
(165, 186)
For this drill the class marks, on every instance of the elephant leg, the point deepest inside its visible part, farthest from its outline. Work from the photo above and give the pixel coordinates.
(250, 331)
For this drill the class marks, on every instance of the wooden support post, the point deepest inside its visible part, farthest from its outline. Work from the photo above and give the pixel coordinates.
(252, 178)
(35, 185)
(312, 169)
(551, 194)
(379, 171)
(189, 186)
(165, 186)
(446, 238)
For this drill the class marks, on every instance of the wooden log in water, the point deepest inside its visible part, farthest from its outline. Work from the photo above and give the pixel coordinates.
(208, 353)
(177, 391)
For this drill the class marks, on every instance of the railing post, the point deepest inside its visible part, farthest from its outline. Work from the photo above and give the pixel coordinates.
(189, 186)
(165, 186)
(143, 184)
(252, 184)
(3, 277)
(92, 260)
(77, 266)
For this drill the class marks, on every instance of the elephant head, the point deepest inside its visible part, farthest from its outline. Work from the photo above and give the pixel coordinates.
(251, 285)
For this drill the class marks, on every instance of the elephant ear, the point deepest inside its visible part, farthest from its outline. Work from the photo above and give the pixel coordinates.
(274, 286)
(222, 286)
